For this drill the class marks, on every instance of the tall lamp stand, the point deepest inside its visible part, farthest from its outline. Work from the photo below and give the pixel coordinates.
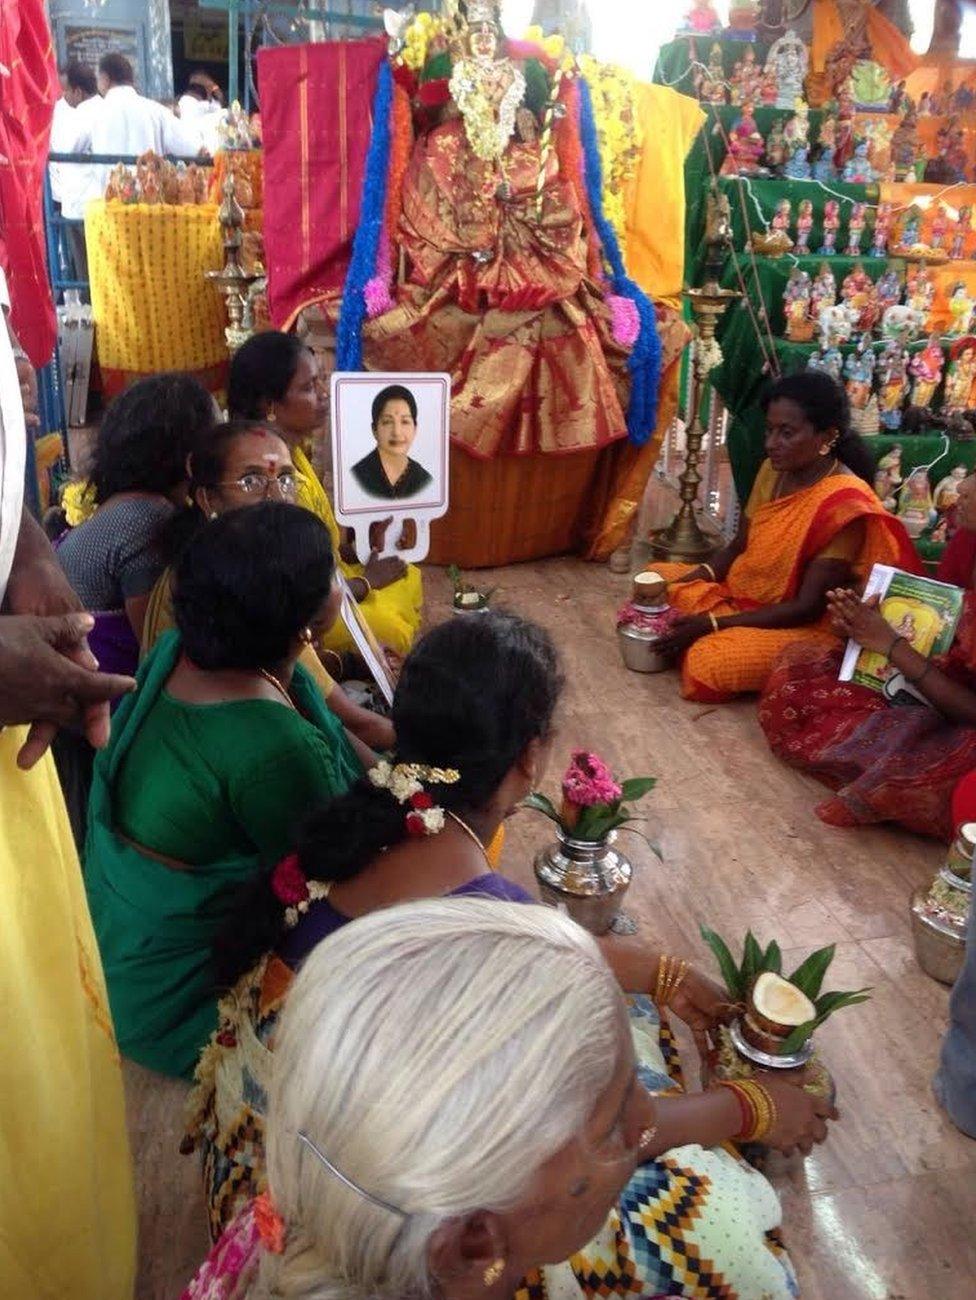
(684, 538)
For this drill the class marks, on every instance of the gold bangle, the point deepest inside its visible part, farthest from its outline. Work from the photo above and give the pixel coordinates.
(670, 973)
(338, 658)
(710, 571)
(764, 1107)
(369, 588)
(714, 622)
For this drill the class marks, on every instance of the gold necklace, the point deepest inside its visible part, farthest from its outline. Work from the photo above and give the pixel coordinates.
(471, 836)
(273, 681)
(779, 494)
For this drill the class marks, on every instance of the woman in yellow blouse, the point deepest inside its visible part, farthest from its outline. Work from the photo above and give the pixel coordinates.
(274, 377)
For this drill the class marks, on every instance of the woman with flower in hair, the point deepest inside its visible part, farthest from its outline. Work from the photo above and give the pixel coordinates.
(209, 769)
(473, 714)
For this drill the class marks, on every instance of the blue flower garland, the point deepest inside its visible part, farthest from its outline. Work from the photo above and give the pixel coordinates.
(645, 358)
(365, 245)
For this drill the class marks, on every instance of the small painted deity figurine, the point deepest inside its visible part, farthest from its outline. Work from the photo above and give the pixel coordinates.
(911, 228)
(855, 229)
(904, 145)
(889, 477)
(960, 384)
(916, 509)
(947, 490)
(776, 150)
(746, 79)
(790, 59)
(783, 217)
(796, 305)
(880, 136)
(883, 221)
(956, 154)
(711, 83)
(769, 89)
(858, 169)
(827, 137)
(829, 360)
(960, 236)
(746, 146)
(823, 167)
(702, 19)
(744, 16)
(798, 127)
(925, 105)
(804, 225)
(940, 227)
(892, 384)
(844, 150)
(831, 225)
(925, 368)
(920, 291)
(859, 372)
(823, 292)
(896, 102)
(961, 310)
(858, 292)
(798, 168)
(888, 289)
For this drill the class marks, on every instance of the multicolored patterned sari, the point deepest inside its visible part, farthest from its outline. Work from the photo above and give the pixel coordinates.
(785, 536)
(886, 763)
(697, 1223)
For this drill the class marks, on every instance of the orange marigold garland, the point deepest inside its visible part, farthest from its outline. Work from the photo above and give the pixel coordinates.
(569, 151)
(401, 146)
(270, 1224)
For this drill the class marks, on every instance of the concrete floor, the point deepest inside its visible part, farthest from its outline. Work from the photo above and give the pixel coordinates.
(883, 1211)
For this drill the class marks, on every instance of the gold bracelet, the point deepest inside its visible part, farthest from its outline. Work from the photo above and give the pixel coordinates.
(710, 571)
(670, 973)
(338, 658)
(369, 588)
(764, 1107)
(714, 622)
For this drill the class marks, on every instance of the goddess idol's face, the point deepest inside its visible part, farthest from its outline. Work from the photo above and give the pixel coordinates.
(484, 41)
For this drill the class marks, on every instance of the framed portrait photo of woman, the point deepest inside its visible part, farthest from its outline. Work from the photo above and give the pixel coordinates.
(390, 449)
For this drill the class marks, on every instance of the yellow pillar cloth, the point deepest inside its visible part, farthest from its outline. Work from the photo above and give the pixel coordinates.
(153, 308)
(66, 1200)
(394, 612)
(656, 194)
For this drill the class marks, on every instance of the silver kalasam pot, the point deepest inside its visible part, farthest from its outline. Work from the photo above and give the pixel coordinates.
(639, 651)
(940, 947)
(586, 878)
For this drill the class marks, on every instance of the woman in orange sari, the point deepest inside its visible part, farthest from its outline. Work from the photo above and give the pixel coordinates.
(812, 523)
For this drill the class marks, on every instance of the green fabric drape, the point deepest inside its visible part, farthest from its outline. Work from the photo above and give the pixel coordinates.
(155, 924)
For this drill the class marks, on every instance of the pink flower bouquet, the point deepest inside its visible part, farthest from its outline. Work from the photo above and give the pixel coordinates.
(594, 803)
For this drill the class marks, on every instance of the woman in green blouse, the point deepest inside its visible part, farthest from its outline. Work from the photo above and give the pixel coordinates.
(211, 766)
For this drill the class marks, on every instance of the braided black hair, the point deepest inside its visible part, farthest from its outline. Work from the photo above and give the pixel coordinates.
(472, 695)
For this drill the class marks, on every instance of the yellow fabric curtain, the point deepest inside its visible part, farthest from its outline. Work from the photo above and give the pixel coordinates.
(656, 195)
(153, 308)
(66, 1201)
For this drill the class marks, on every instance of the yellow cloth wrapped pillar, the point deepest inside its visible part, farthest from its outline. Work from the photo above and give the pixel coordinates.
(66, 1201)
(153, 308)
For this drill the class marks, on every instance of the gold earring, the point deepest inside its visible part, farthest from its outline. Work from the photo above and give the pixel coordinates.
(272, 417)
(493, 1272)
(213, 514)
(307, 635)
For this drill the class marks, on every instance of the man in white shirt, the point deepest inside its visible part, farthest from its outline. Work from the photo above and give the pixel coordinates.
(201, 110)
(128, 124)
(72, 184)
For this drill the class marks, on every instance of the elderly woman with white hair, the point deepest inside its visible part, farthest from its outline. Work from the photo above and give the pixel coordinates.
(457, 1110)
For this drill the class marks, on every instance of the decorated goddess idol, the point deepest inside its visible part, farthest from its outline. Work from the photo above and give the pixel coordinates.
(460, 202)
(509, 286)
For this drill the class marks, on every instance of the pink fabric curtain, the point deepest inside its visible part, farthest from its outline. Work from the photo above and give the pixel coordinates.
(316, 121)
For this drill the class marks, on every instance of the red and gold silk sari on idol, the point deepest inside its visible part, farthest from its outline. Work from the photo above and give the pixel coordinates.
(498, 297)
(785, 536)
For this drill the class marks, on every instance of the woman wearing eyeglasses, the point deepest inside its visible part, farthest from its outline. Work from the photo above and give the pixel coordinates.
(237, 464)
(211, 765)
